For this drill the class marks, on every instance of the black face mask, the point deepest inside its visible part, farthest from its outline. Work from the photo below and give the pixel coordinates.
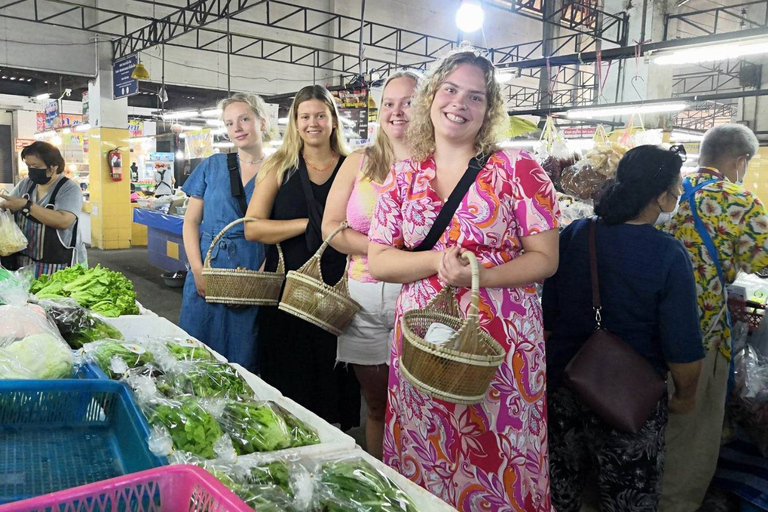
(39, 176)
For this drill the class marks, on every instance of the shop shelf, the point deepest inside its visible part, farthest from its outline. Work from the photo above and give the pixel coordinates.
(60, 434)
(168, 489)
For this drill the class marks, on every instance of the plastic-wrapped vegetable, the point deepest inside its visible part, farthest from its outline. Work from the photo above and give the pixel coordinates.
(582, 180)
(18, 319)
(259, 427)
(103, 352)
(265, 498)
(188, 350)
(77, 325)
(204, 380)
(192, 429)
(353, 485)
(38, 356)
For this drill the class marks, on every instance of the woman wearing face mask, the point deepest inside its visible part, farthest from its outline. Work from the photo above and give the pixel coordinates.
(46, 206)
(366, 341)
(297, 357)
(231, 331)
(649, 301)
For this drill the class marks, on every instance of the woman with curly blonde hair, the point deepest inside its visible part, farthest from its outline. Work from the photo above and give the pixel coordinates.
(492, 455)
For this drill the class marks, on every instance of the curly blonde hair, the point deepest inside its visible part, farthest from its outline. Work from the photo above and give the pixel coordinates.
(421, 132)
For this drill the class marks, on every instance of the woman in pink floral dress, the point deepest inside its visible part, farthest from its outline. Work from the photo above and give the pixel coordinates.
(491, 456)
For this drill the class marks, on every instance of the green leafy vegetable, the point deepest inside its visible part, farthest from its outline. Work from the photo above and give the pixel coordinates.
(38, 356)
(255, 427)
(356, 486)
(100, 330)
(101, 352)
(274, 473)
(99, 289)
(189, 353)
(205, 379)
(192, 428)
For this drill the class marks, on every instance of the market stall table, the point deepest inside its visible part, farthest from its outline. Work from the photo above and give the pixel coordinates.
(165, 244)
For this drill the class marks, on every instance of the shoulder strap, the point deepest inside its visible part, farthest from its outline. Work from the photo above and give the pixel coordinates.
(56, 189)
(30, 189)
(596, 304)
(305, 183)
(689, 192)
(235, 182)
(450, 207)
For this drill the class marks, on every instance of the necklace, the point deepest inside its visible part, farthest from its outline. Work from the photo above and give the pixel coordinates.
(330, 162)
(252, 162)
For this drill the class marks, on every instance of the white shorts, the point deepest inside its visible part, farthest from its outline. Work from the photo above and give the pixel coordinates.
(367, 340)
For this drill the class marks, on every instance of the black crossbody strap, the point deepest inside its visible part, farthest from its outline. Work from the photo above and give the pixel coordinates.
(56, 189)
(454, 200)
(235, 182)
(305, 183)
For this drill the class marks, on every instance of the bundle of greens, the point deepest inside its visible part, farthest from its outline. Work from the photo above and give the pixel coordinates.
(204, 379)
(274, 473)
(265, 498)
(38, 356)
(99, 289)
(192, 428)
(301, 433)
(102, 353)
(189, 350)
(353, 485)
(255, 427)
(76, 324)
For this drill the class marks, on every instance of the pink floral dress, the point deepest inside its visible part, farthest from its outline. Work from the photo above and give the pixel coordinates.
(491, 456)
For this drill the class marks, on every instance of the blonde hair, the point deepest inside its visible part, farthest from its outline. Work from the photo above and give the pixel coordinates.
(257, 105)
(421, 131)
(286, 157)
(380, 156)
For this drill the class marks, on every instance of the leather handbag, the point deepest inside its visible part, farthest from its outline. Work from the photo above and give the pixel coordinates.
(609, 376)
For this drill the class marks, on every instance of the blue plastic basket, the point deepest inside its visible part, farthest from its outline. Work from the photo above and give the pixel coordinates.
(60, 434)
(90, 371)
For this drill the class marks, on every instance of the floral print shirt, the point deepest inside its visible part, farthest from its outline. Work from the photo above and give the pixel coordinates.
(738, 224)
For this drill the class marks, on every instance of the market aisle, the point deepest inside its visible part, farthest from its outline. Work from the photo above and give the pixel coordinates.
(150, 288)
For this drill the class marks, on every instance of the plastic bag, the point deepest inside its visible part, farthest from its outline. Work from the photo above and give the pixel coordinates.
(77, 325)
(264, 427)
(191, 427)
(582, 180)
(38, 356)
(19, 319)
(12, 240)
(204, 380)
(352, 484)
(102, 353)
(750, 406)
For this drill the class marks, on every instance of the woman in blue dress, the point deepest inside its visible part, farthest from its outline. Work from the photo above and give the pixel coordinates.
(213, 204)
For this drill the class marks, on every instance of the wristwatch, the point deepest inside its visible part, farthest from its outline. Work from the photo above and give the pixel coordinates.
(26, 208)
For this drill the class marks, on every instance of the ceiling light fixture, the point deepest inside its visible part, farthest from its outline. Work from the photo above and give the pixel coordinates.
(182, 114)
(213, 112)
(214, 122)
(41, 97)
(625, 110)
(711, 53)
(470, 16)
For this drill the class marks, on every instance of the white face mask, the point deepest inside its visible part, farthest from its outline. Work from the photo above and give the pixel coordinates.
(740, 179)
(665, 217)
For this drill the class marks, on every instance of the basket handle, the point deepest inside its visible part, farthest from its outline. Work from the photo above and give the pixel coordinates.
(207, 264)
(474, 305)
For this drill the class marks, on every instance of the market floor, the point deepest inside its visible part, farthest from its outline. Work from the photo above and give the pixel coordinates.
(154, 295)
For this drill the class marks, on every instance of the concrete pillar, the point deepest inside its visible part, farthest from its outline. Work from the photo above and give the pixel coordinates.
(548, 32)
(111, 212)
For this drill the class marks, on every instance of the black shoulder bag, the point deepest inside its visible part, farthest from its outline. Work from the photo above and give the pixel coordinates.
(450, 207)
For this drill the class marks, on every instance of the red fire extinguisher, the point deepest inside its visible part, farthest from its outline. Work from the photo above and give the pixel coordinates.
(115, 163)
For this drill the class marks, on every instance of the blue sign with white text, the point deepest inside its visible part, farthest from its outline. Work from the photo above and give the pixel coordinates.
(122, 83)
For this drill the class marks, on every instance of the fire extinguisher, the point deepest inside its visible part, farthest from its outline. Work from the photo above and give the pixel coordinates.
(115, 164)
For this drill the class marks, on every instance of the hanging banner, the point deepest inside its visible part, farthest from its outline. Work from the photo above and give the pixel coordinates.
(199, 144)
(52, 115)
(20, 143)
(86, 108)
(40, 122)
(136, 128)
(70, 120)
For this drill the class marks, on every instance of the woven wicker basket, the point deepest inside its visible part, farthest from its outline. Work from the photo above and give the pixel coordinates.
(460, 370)
(242, 286)
(309, 298)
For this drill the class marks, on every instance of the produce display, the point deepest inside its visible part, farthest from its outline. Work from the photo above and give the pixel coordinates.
(98, 289)
(188, 350)
(264, 427)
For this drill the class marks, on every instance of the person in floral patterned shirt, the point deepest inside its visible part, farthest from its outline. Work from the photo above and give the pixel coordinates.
(737, 224)
(491, 456)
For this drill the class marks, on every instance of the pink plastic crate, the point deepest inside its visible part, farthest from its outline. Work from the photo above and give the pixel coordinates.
(163, 489)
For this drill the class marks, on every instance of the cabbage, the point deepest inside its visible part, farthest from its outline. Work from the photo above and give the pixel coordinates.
(38, 356)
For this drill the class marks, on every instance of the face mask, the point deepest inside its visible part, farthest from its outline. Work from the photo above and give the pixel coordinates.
(665, 217)
(740, 179)
(39, 176)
